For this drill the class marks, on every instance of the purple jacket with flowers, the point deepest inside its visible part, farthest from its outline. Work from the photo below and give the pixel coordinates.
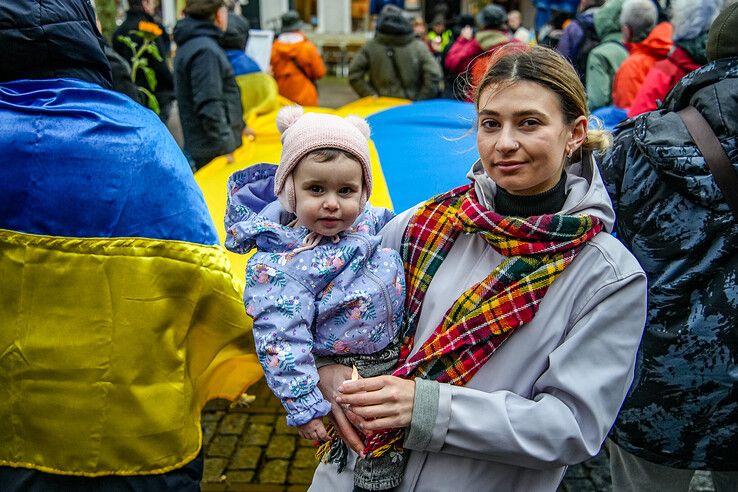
(335, 299)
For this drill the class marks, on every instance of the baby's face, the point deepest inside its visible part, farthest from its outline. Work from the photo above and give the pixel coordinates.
(327, 194)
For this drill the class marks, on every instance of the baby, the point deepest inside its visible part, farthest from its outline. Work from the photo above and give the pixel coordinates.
(319, 284)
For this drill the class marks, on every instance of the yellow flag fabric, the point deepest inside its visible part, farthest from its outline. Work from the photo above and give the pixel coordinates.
(103, 406)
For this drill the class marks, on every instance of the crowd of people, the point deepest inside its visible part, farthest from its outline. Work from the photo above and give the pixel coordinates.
(579, 290)
(628, 54)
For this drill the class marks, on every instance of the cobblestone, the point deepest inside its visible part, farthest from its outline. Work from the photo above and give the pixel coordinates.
(246, 458)
(281, 447)
(274, 471)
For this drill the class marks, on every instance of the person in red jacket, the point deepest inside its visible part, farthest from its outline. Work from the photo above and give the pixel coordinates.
(691, 21)
(646, 45)
(464, 58)
(296, 63)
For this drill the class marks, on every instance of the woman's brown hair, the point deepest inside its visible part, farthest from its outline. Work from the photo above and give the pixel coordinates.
(515, 62)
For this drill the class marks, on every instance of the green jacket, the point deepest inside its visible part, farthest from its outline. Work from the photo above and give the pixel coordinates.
(372, 73)
(605, 59)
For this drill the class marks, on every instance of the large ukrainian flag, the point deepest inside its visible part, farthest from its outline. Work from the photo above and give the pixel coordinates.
(119, 315)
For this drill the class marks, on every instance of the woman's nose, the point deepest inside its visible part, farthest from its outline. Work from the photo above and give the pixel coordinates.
(506, 141)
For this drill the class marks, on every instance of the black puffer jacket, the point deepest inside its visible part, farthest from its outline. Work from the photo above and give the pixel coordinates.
(47, 40)
(207, 94)
(683, 409)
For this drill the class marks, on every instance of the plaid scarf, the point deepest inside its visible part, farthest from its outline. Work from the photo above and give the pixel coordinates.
(537, 249)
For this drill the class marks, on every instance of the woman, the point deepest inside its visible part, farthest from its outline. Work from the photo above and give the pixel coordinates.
(512, 415)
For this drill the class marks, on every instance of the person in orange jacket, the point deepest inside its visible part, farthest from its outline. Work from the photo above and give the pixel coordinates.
(646, 45)
(296, 62)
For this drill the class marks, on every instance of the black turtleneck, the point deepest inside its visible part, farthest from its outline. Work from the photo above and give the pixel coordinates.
(548, 202)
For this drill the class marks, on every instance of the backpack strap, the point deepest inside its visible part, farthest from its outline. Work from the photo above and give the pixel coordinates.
(714, 154)
(302, 70)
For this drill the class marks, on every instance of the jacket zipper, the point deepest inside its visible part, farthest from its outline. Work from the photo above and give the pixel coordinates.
(376, 280)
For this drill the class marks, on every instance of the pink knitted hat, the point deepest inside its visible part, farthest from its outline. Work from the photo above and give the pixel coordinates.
(303, 133)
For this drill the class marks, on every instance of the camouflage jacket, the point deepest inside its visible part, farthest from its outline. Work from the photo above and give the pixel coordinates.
(683, 408)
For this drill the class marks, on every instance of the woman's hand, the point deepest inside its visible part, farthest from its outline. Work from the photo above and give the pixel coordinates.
(331, 377)
(382, 402)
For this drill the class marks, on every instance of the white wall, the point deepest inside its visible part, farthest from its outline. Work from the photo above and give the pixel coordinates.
(334, 16)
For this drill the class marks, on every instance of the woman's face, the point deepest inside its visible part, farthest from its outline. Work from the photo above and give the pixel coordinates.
(522, 137)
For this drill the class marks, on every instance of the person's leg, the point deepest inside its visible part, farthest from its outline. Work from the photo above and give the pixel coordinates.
(725, 481)
(633, 474)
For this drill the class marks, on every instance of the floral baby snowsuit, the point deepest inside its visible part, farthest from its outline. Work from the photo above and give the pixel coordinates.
(332, 300)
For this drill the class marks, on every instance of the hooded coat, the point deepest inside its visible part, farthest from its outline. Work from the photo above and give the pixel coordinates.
(297, 84)
(683, 409)
(549, 395)
(413, 74)
(335, 299)
(208, 97)
(605, 59)
(635, 67)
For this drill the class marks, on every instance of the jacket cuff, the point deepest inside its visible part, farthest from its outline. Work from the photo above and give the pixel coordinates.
(425, 414)
(305, 408)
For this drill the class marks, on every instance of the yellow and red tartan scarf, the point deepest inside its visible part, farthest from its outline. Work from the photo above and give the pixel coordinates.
(537, 250)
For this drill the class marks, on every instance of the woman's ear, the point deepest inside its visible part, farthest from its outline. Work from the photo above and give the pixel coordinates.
(578, 134)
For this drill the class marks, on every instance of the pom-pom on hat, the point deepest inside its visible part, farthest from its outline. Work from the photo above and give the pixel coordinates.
(303, 133)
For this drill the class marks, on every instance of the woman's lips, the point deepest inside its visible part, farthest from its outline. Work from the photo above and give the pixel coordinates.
(508, 165)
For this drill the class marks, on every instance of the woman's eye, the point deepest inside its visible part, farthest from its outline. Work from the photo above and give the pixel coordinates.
(489, 124)
(530, 123)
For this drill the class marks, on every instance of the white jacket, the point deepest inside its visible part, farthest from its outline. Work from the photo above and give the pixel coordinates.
(549, 395)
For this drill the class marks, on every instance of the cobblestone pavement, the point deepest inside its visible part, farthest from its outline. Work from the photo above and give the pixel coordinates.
(252, 449)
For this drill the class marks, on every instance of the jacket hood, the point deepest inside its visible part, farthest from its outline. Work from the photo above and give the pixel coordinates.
(189, 28)
(490, 38)
(237, 34)
(585, 191)
(607, 18)
(393, 21)
(665, 142)
(289, 44)
(51, 39)
(253, 205)
(394, 39)
(657, 43)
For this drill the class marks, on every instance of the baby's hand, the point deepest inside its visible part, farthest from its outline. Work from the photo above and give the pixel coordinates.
(313, 430)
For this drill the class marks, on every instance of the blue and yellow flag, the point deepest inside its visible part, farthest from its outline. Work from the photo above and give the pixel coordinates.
(119, 314)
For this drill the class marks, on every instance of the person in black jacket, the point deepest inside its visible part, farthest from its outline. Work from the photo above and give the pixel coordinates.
(207, 94)
(681, 414)
(142, 11)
